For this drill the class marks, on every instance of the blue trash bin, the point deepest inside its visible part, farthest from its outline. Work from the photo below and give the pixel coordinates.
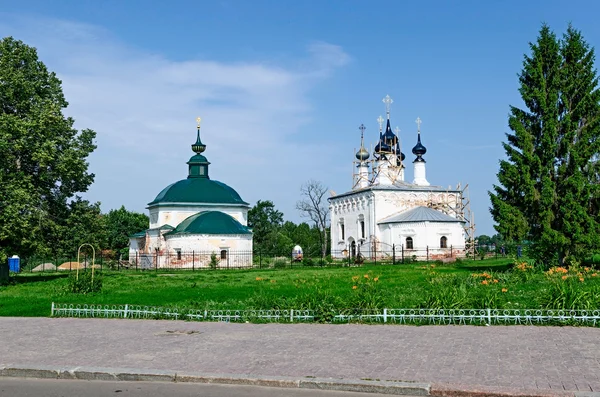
(14, 264)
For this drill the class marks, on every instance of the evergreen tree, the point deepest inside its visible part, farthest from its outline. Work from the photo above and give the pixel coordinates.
(548, 191)
(42, 157)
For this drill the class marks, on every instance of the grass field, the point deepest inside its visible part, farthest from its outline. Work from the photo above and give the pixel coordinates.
(494, 283)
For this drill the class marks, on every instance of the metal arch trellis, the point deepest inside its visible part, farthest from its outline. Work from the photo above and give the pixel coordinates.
(394, 316)
(93, 259)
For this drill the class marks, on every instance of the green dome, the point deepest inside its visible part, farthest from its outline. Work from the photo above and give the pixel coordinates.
(210, 222)
(198, 190)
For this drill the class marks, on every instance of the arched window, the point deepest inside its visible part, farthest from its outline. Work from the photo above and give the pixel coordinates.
(361, 225)
(409, 243)
(223, 254)
(443, 242)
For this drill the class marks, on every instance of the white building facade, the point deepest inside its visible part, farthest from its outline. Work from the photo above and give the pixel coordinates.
(383, 215)
(193, 222)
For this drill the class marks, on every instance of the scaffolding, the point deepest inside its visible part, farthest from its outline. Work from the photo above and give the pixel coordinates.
(459, 208)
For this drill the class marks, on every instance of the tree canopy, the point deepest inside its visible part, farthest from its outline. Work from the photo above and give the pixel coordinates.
(548, 185)
(43, 159)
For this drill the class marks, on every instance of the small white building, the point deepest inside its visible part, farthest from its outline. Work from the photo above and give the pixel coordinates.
(383, 215)
(194, 219)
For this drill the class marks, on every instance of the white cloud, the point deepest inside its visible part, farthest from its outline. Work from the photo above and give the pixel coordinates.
(143, 107)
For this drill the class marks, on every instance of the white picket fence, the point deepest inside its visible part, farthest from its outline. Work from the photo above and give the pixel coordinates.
(396, 316)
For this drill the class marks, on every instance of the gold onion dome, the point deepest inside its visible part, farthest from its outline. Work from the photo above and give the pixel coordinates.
(362, 154)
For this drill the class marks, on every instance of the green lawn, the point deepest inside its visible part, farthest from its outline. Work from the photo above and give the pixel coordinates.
(401, 286)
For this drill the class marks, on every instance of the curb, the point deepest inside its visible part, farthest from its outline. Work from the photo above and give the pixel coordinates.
(456, 390)
(364, 386)
(145, 375)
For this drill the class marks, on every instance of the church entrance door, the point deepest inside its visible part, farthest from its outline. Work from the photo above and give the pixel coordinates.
(353, 249)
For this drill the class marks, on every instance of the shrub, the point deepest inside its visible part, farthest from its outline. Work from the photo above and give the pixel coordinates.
(84, 284)
(308, 262)
(280, 263)
(214, 263)
(329, 259)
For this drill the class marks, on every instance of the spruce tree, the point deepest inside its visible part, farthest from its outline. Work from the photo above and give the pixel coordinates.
(548, 190)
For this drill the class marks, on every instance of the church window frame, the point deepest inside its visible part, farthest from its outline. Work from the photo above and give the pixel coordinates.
(342, 230)
(361, 226)
(178, 253)
(443, 242)
(410, 243)
(224, 254)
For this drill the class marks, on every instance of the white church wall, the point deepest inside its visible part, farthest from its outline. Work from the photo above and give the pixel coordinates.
(426, 238)
(353, 212)
(195, 251)
(174, 215)
(376, 205)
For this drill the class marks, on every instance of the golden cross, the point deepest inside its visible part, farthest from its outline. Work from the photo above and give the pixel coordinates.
(198, 120)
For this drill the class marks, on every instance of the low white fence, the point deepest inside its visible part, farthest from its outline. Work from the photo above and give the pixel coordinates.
(396, 316)
(150, 312)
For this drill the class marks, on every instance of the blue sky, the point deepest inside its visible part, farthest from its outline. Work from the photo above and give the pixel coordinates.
(282, 86)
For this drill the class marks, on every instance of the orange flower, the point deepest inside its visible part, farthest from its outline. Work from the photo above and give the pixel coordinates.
(504, 289)
(376, 279)
(354, 278)
(484, 282)
(581, 279)
(258, 278)
(495, 281)
(432, 265)
(564, 277)
(366, 276)
(354, 287)
(594, 274)
(550, 271)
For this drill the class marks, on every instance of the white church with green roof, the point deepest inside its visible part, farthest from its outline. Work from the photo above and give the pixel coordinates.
(192, 219)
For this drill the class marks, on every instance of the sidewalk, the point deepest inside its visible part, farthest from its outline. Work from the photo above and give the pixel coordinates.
(454, 360)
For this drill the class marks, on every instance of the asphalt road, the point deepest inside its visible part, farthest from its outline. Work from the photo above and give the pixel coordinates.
(17, 387)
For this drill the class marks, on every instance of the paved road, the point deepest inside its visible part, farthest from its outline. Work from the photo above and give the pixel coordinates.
(524, 357)
(13, 387)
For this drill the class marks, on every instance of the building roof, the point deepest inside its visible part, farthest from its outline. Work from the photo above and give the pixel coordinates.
(198, 190)
(398, 186)
(420, 214)
(209, 222)
(143, 232)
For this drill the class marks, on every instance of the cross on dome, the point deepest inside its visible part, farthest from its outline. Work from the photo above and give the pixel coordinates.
(418, 121)
(362, 129)
(198, 120)
(380, 121)
(397, 130)
(388, 103)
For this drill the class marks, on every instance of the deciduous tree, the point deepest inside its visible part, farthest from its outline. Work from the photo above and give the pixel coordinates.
(43, 159)
(314, 206)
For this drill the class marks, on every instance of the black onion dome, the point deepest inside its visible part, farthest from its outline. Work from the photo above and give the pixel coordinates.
(401, 156)
(419, 150)
(389, 137)
(382, 147)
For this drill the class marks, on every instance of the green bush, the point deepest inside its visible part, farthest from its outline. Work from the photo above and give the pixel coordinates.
(214, 263)
(308, 262)
(84, 283)
(280, 263)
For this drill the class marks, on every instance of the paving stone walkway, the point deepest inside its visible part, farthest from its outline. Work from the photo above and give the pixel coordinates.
(517, 357)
